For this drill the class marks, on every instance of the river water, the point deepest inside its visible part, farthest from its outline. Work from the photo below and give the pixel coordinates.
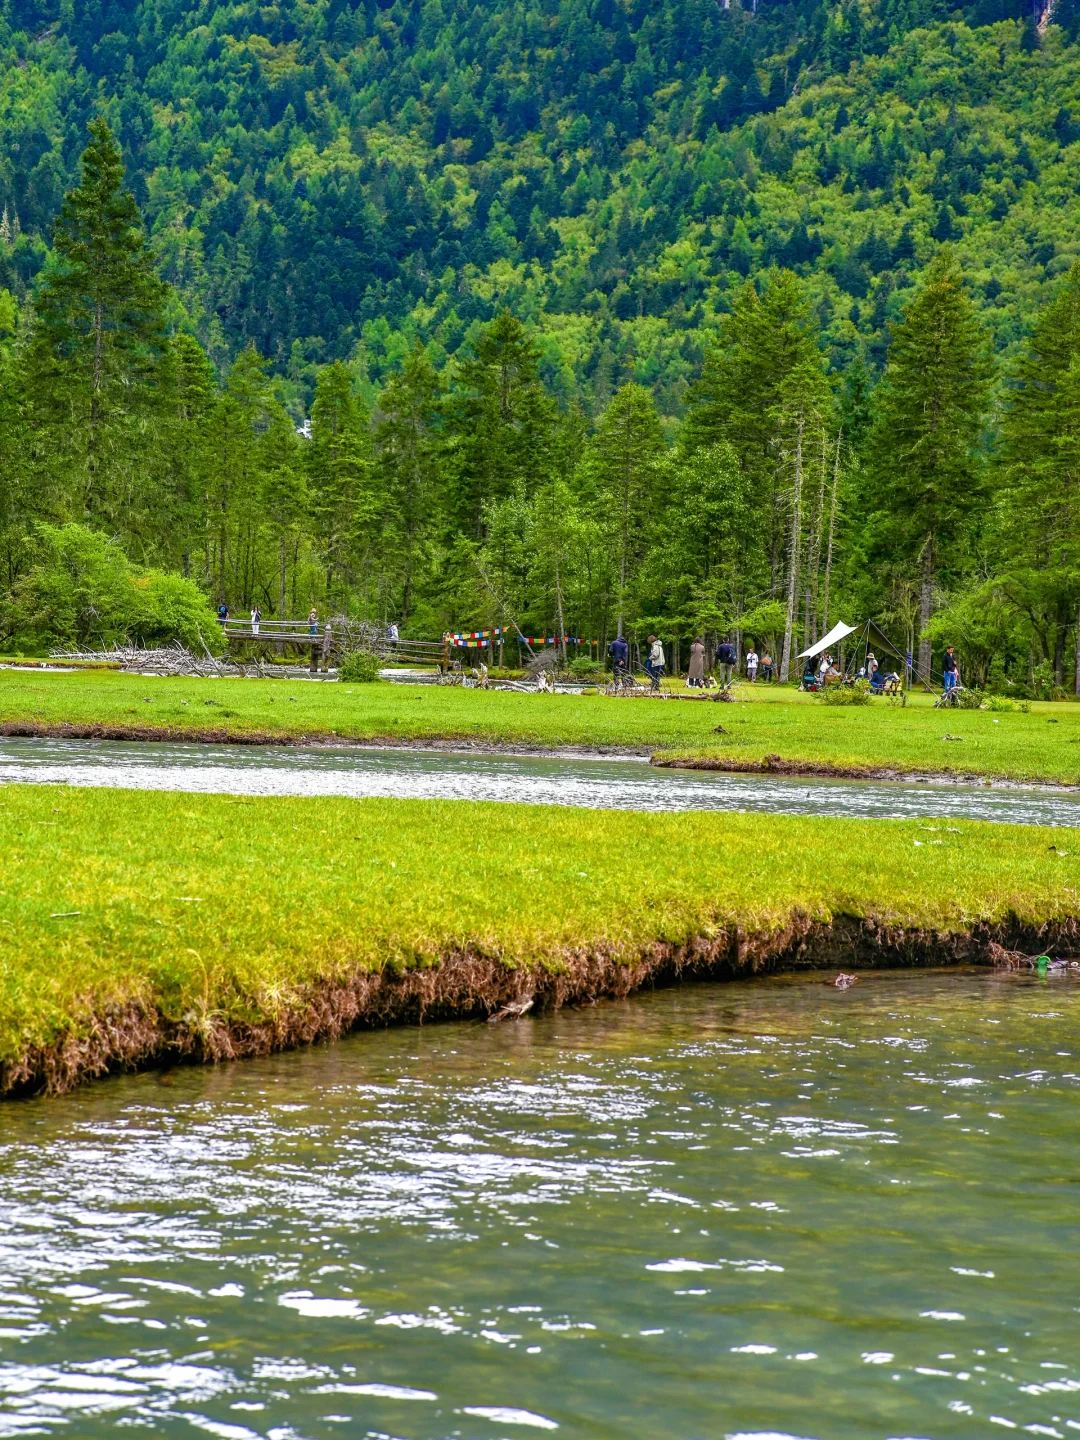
(630, 784)
(760, 1209)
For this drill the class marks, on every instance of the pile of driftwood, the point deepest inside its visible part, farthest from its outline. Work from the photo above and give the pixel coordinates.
(176, 659)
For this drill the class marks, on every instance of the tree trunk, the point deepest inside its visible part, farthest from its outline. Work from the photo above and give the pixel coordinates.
(559, 610)
(1076, 677)
(813, 578)
(793, 578)
(281, 578)
(926, 610)
(832, 534)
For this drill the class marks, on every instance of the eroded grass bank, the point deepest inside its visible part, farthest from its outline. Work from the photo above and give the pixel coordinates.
(135, 927)
(769, 727)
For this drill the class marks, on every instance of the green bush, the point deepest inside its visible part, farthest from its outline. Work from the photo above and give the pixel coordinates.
(82, 590)
(585, 669)
(359, 667)
(857, 694)
(1003, 704)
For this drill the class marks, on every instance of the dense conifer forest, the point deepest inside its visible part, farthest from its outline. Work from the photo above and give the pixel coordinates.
(672, 317)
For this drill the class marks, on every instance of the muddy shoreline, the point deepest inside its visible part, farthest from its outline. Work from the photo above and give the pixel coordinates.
(207, 735)
(465, 984)
(775, 765)
(772, 765)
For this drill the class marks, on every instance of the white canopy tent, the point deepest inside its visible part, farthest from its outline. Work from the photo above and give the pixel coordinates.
(835, 635)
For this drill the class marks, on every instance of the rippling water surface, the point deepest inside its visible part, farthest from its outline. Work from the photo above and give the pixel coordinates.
(768, 1209)
(618, 784)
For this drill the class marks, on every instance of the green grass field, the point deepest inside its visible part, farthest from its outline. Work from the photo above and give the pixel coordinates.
(1043, 745)
(208, 908)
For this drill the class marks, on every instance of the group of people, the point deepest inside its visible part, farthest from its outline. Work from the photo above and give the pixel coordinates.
(224, 615)
(727, 661)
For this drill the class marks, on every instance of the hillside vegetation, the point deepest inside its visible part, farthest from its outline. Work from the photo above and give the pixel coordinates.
(683, 320)
(326, 181)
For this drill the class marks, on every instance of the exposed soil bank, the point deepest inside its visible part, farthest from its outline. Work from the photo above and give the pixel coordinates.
(469, 985)
(208, 735)
(822, 770)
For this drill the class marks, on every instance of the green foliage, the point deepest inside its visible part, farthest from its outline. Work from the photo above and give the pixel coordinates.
(588, 310)
(359, 667)
(81, 589)
(846, 695)
(96, 341)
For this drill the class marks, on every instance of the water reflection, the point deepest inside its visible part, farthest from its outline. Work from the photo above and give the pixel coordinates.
(725, 1210)
(626, 784)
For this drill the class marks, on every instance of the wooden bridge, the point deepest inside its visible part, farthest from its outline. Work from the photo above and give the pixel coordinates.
(329, 639)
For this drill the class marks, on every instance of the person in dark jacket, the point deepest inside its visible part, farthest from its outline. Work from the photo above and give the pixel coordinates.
(620, 655)
(952, 672)
(725, 659)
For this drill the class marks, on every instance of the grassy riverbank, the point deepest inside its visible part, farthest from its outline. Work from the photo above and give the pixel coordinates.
(134, 926)
(767, 723)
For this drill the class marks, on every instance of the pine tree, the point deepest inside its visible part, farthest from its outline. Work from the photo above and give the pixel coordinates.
(284, 493)
(499, 423)
(627, 481)
(345, 506)
(925, 443)
(747, 394)
(408, 439)
(174, 513)
(1039, 472)
(234, 490)
(98, 340)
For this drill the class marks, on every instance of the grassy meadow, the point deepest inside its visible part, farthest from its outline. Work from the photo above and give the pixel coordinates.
(202, 907)
(1043, 745)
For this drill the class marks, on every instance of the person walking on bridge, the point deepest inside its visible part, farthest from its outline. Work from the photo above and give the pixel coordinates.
(256, 616)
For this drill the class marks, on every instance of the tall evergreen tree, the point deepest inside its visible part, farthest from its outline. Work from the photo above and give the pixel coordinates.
(627, 483)
(408, 439)
(345, 505)
(925, 443)
(99, 336)
(1039, 470)
(500, 421)
(765, 369)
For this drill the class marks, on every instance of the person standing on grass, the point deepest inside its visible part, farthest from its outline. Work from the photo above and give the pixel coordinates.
(656, 662)
(766, 668)
(952, 673)
(620, 655)
(751, 665)
(695, 676)
(725, 658)
(256, 616)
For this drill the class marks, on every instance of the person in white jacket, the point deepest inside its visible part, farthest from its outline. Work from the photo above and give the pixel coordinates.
(656, 662)
(751, 664)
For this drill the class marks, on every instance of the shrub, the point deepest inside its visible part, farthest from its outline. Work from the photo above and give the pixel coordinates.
(82, 590)
(1003, 704)
(359, 667)
(585, 669)
(857, 694)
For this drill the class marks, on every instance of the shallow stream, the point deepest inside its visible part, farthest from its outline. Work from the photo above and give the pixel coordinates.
(627, 784)
(763, 1209)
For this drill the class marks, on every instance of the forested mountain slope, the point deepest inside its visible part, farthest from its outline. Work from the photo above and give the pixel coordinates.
(319, 178)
